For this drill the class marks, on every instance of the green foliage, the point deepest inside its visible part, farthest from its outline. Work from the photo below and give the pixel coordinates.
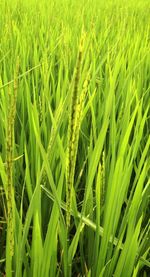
(74, 138)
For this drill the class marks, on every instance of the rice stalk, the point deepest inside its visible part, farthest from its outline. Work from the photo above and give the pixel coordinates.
(40, 110)
(12, 97)
(102, 188)
(73, 131)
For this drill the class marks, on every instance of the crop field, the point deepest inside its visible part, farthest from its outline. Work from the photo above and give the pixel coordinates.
(74, 138)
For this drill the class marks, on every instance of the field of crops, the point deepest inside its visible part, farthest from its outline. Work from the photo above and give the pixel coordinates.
(74, 138)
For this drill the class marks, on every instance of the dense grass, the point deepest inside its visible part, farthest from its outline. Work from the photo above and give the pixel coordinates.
(74, 138)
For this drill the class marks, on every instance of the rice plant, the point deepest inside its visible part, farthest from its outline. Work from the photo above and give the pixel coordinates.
(74, 138)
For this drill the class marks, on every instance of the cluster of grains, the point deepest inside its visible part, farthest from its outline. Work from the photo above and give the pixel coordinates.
(73, 131)
(12, 97)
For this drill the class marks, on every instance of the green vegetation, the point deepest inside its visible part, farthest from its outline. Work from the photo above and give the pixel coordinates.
(74, 138)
